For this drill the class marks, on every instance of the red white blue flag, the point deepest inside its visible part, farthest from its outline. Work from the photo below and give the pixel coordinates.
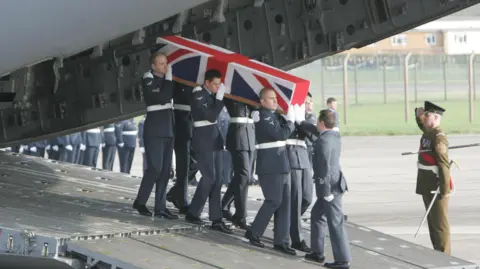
(243, 77)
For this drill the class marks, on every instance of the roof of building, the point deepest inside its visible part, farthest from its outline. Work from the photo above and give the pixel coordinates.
(467, 19)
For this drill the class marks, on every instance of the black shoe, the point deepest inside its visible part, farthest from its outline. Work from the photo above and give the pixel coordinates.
(166, 214)
(192, 219)
(227, 215)
(240, 223)
(221, 227)
(315, 257)
(285, 249)
(337, 265)
(173, 201)
(254, 240)
(302, 246)
(142, 209)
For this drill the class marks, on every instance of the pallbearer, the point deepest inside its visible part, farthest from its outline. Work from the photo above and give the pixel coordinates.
(158, 136)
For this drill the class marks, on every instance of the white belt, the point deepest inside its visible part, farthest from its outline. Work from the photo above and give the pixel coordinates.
(296, 142)
(269, 145)
(94, 131)
(203, 123)
(182, 107)
(130, 133)
(109, 130)
(432, 168)
(159, 107)
(241, 120)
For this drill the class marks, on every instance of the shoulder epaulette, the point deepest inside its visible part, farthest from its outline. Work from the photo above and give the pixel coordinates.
(442, 134)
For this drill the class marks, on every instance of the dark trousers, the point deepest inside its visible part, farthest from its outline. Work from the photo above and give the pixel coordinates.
(108, 156)
(90, 156)
(301, 198)
(182, 162)
(64, 155)
(193, 168)
(125, 156)
(53, 155)
(238, 188)
(158, 152)
(210, 185)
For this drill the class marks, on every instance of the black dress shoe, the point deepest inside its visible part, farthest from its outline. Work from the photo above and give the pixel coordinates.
(315, 257)
(173, 201)
(227, 215)
(221, 227)
(142, 209)
(195, 220)
(285, 249)
(240, 223)
(254, 240)
(166, 214)
(337, 265)
(302, 246)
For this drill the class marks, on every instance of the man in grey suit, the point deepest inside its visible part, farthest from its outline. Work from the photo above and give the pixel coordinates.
(330, 186)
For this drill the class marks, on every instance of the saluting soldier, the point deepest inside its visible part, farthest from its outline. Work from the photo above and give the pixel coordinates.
(182, 97)
(109, 146)
(434, 173)
(207, 103)
(93, 141)
(158, 133)
(273, 169)
(241, 144)
(126, 136)
(330, 184)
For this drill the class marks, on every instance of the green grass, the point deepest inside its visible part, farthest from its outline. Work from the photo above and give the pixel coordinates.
(389, 119)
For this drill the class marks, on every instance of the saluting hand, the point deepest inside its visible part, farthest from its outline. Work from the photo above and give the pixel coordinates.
(168, 75)
(419, 111)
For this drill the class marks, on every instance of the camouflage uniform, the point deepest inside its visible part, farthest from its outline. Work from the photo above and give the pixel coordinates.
(433, 173)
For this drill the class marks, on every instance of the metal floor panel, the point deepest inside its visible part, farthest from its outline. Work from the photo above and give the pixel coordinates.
(73, 203)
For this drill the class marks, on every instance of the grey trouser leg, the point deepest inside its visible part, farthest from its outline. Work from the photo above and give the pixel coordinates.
(276, 190)
(330, 213)
(307, 189)
(296, 206)
(210, 186)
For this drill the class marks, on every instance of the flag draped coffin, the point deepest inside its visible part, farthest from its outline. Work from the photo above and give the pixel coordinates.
(243, 77)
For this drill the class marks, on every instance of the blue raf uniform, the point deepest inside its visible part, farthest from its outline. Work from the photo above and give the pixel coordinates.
(310, 139)
(301, 183)
(241, 145)
(273, 169)
(178, 194)
(109, 146)
(52, 149)
(208, 145)
(158, 133)
(223, 121)
(65, 149)
(37, 148)
(141, 143)
(93, 141)
(75, 155)
(126, 135)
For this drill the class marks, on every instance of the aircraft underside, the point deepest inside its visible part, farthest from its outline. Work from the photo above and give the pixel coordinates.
(100, 83)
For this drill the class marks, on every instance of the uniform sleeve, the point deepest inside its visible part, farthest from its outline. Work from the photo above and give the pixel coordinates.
(322, 167)
(276, 130)
(118, 132)
(420, 123)
(309, 129)
(150, 83)
(83, 137)
(202, 110)
(441, 152)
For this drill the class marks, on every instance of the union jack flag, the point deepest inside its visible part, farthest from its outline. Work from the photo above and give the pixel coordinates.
(243, 77)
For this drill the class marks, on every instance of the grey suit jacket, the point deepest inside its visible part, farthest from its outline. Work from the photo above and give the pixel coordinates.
(326, 165)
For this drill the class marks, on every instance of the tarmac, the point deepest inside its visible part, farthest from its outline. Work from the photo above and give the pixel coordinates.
(382, 189)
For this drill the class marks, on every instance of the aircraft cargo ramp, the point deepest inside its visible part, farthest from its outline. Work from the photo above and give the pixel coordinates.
(55, 209)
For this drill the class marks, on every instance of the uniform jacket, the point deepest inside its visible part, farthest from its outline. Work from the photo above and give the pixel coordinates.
(182, 98)
(92, 137)
(241, 130)
(297, 149)
(63, 140)
(337, 124)
(126, 132)
(158, 95)
(108, 135)
(433, 166)
(205, 111)
(222, 123)
(38, 144)
(76, 139)
(326, 165)
(269, 128)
